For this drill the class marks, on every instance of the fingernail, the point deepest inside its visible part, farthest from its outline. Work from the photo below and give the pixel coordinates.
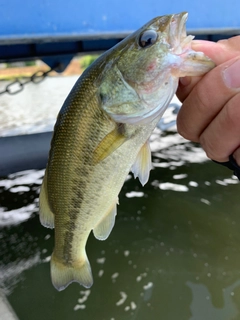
(185, 81)
(231, 75)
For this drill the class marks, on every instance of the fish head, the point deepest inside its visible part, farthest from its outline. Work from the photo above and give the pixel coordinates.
(149, 62)
(161, 46)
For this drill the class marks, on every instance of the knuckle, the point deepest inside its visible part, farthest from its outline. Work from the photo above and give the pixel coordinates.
(181, 128)
(202, 99)
(185, 129)
(232, 111)
(236, 156)
(207, 147)
(211, 148)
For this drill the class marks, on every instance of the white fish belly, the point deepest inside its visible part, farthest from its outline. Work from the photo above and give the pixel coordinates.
(104, 185)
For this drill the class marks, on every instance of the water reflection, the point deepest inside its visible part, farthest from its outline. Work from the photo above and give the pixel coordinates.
(173, 253)
(25, 112)
(202, 306)
(19, 196)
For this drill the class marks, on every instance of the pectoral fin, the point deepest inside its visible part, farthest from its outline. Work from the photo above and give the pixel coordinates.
(104, 228)
(109, 144)
(45, 213)
(143, 164)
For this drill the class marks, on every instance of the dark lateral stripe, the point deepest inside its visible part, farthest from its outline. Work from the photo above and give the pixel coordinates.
(82, 171)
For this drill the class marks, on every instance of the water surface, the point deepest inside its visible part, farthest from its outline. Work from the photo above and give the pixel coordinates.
(173, 253)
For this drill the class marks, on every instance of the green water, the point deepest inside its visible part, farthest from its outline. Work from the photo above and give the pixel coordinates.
(174, 253)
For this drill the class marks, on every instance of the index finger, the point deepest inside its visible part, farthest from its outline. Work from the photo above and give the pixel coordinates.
(219, 52)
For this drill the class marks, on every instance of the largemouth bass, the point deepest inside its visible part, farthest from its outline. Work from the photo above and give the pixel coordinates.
(102, 132)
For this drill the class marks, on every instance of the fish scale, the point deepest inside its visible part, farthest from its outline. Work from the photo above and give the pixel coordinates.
(102, 132)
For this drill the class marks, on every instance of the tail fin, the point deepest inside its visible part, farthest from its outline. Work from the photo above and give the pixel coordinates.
(63, 275)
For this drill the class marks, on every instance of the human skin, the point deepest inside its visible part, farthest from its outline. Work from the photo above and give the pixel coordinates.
(210, 113)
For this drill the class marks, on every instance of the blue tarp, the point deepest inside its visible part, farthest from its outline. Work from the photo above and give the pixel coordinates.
(32, 19)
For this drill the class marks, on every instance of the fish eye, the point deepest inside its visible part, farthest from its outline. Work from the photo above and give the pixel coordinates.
(148, 38)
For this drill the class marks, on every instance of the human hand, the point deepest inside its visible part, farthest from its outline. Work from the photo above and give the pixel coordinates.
(210, 113)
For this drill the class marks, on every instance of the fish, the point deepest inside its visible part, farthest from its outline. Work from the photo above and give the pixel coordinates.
(102, 133)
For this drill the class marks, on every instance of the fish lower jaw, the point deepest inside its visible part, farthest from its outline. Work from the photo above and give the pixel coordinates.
(190, 63)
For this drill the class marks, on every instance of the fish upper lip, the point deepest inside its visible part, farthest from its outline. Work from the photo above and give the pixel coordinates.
(177, 31)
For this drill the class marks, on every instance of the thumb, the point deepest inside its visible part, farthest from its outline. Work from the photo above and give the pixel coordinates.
(212, 108)
(220, 51)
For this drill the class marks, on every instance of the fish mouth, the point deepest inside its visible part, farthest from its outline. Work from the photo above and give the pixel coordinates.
(180, 45)
(178, 39)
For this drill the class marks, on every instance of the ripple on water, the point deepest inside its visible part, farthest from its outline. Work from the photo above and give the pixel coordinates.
(157, 251)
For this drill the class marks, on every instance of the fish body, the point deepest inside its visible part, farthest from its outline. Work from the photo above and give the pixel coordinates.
(102, 132)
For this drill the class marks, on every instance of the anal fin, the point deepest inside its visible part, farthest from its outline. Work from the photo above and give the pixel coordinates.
(143, 164)
(104, 228)
(45, 213)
